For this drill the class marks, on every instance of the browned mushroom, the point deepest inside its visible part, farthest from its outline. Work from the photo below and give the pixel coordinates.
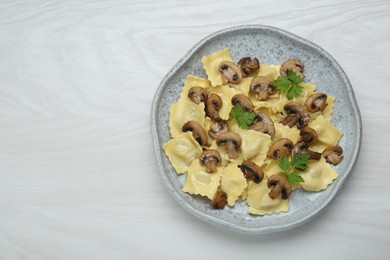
(244, 101)
(219, 201)
(248, 65)
(316, 102)
(280, 148)
(197, 94)
(252, 171)
(232, 142)
(292, 65)
(300, 118)
(262, 87)
(231, 73)
(263, 123)
(211, 159)
(303, 148)
(213, 105)
(333, 154)
(279, 186)
(197, 130)
(308, 135)
(217, 127)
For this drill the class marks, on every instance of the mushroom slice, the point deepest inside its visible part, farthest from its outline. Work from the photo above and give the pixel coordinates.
(303, 148)
(252, 171)
(292, 65)
(280, 148)
(197, 130)
(213, 105)
(333, 154)
(263, 123)
(232, 142)
(290, 120)
(217, 127)
(231, 73)
(279, 185)
(262, 87)
(248, 65)
(197, 94)
(211, 159)
(219, 200)
(308, 135)
(316, 102)
(244, 101)
(300, 111)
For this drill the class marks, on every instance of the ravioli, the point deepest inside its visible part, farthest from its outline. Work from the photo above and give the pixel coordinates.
(226, 93)
(233, 183)
(194, 81)
(282, 131)
(318, 176)
(211, 63)
(328, 134)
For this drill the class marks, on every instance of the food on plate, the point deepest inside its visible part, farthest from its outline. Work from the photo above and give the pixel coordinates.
(252, 132)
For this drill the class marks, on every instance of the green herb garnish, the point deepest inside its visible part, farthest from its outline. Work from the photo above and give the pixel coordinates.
(298, 162)
(289, 85)
(244, 119)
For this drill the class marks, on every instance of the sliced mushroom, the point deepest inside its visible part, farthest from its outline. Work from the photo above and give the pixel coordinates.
(197, 94)
(248, 65)
(252, 171)
(244, 101)
(217, 127)
(279, 185)
(232, 142)
(197, 130)
(316, 102)
(290, 120)
(213, 105)
(219, 201)
(333, 154)
(211, 159)
(308, 135)
(263, 123)
(231, 73)
(262, 87)
(292, 65)
(303, 148)
(280, 148)
(298, 110)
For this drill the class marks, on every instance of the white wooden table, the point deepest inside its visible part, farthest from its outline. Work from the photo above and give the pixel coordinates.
(78, 178)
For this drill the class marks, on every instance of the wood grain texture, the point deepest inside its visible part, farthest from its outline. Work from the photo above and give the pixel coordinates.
(78, 178)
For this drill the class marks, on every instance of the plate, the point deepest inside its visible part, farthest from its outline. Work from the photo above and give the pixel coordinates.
(270, 45)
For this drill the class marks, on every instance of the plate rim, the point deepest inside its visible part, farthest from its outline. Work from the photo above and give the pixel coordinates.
(226, 224)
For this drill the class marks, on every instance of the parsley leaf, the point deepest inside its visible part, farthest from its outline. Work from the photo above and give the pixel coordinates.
(294, 178)
(244, 119)
(289, 85)
(284, 164)
(299, 161)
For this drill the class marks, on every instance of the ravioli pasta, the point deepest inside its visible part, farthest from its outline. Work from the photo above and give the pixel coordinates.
(243, 169)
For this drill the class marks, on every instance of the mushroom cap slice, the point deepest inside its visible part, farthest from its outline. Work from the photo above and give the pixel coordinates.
(232, 142)
(279, 148)
(210, 158)
(279, 185)
(252, 171)
(231, 73)
(290, 120)
(219, 201)
(303, 148)
(244, 101)
(292, 65)
(213, 105)
(333, 154)
(316, 102)
(197, 94)
(262, 87)
(263, 123)
(308, 135)
(248, 65)
(197, 130)
(217, 127)
(298, 109)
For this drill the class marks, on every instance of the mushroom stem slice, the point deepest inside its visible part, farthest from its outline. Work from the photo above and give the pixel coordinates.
(279, 185)
(333, 154)
(316, 102)
(231, 150)
(213, 105)
(197, 94)
(303, 148)
(290, 120)
(232, 142)
(231, 73)
(252, 171)
(292, 65)
(219, 201)
(197, 130)
(248, 65)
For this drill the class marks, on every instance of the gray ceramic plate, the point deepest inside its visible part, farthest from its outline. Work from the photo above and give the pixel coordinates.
(270, 45)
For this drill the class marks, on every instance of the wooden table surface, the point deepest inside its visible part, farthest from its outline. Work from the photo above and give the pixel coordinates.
(78, 176)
